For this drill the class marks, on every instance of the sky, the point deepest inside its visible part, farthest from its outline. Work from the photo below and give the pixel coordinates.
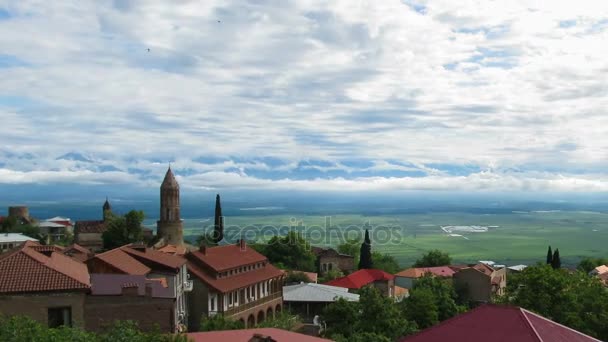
(337, 95)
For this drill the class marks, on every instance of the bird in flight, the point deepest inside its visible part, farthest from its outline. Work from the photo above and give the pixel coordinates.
(219, 21)
(148, 49)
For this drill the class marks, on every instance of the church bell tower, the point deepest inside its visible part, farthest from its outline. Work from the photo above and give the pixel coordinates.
(170, 226)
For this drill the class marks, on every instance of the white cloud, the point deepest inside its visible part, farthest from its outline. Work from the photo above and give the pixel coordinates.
(498, 85)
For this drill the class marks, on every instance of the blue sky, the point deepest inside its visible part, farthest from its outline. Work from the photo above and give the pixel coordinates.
(306, 95)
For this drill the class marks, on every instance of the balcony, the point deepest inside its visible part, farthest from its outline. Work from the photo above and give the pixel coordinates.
(252, 304)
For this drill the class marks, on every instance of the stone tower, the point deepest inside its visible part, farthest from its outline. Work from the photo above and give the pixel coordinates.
(107, 210)
(169, 226)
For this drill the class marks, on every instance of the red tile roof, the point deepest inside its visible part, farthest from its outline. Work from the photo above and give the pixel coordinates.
(77, 252)
(246, 335)
(223, 258)
(123, 262)
(440, 271)
(173, 250)
(146, 254)
(357, 280)
(26, 270)
(89, 227)
(499, 323)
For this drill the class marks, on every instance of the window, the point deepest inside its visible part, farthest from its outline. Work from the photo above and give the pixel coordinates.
(59, 317)
(212, 306)
(330, 266)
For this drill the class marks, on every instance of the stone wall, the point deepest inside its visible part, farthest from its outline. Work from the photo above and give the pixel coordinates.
(148, 312)
(36, 305)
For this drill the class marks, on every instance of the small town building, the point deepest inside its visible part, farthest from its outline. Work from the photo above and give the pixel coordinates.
(498, 323)
(407, 278)
(309, 300)
(516, 268)
(89, 233)
(135, 259)
(149, 302)
(56, 228)
(253, 335)
(40, 282)
(235, 281)
(329, 259)
(379, 279)
(11, 240)
(480, 282)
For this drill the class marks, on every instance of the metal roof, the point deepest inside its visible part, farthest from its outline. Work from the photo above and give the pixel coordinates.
(309, 292)
(15, 237)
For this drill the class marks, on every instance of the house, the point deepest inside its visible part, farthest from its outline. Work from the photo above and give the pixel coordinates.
(329, 259)
(599, 270)
(498, 323)
(78, 252)
(56, 228)
(308, 299)
(253, 335)
(10, 240)
(140, 260)
(480, 282)
(235, 281)
(42, 283)
(89, 233)
(407, 278)
(148, 302)
(379, 279)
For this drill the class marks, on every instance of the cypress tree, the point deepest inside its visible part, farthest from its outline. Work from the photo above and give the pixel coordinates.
(365, 255)
(556, 262)
(218, 225)
(549, 256)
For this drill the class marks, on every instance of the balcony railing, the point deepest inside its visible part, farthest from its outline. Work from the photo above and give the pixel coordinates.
(252, 304)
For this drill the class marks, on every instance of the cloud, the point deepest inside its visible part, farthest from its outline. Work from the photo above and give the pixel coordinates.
(393, 93)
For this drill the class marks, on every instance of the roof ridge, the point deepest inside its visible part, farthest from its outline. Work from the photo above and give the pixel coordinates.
(59, 255)
(524, 312)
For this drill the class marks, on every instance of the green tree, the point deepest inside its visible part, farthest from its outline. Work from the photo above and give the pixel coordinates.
(218, 225)
(219, 322)
(433, 258)
(296, 278)
(281, 320)
(421, 308)
(365, 254)
(556, 262)
(350, 247)
(588, 264)
(362, 337)
(330, 275)
(123, 230)
(443, 293)
(373, 314)
(549, 256)
(385, 262)
(292, 251)
(206, 240)
(570, 298)
(9, 224)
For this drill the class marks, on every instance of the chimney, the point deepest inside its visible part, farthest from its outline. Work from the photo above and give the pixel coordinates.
(243, 244)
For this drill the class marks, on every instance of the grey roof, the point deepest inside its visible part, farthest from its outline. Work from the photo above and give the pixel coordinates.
(15, 237)
(517, 267)
(309, 292)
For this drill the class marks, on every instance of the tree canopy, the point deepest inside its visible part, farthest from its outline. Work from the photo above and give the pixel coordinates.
(25, 329)
(385, 262)
(365, 254)
(123, 230)
(292, 252)
(219, 322)
(218, 223)
(374, 314)
(433, 258)
(588, 264)
(570, 298)
(350, 247)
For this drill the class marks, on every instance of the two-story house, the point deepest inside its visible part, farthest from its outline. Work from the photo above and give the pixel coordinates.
(481, 282)
(234, 281)
(138, 259)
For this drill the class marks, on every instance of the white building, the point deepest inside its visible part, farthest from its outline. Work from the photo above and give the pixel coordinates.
(11, 240)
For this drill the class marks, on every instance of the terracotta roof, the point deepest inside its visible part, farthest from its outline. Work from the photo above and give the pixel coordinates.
(483, 268)
(47, 248)
(600, 269)
(89, 227)
(233, 282)
(156, 257)
(77, 252)
(246, 335)
(173, 250)
(26, 270)
(360, 278)
(124, 262)
(499, 323)
(401, 291)
(226, 257)
(440, 271)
